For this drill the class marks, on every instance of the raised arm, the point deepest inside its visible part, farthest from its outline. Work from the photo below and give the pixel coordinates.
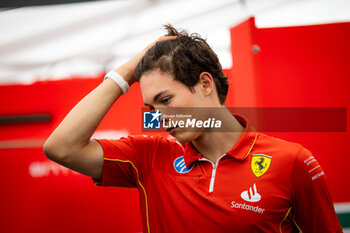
(70, 144)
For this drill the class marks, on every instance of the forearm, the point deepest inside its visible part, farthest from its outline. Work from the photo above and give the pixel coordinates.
(76, 129)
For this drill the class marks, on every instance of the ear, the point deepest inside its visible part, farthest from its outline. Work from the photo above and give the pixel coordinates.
(206, 83)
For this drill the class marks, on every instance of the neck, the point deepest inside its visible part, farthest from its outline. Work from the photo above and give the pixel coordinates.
(212, 145)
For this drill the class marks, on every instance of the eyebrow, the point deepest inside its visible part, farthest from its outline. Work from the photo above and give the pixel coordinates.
(156, 97)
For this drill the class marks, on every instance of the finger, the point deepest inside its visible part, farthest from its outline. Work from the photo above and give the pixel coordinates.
(162, 38)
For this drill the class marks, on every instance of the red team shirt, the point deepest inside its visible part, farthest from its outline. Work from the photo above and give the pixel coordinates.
(263, 184)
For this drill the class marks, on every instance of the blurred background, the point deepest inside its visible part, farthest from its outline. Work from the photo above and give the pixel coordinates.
(277, 53)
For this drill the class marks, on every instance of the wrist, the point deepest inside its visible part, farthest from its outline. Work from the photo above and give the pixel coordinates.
(119, 80)
(127, 72)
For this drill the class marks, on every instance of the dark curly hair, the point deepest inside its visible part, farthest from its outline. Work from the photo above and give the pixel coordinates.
(185, 59)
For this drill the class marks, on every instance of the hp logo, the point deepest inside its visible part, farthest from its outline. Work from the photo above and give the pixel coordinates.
(180, 166)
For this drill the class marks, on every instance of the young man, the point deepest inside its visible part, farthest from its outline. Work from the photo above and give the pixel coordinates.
(236, 180)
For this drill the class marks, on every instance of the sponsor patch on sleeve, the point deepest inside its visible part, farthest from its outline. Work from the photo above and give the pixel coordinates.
(313, 168)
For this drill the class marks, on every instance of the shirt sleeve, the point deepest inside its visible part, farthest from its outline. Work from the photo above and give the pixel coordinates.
(126, 160)
(313, 208)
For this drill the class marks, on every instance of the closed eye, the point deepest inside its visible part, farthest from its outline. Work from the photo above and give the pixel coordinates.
(166, 100)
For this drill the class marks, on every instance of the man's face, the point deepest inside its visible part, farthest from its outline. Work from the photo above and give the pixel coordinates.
(160, 90)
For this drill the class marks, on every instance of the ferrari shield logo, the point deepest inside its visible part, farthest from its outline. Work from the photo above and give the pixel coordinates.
(260, 164)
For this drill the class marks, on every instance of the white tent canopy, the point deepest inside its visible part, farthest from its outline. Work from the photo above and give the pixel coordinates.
(84, 39)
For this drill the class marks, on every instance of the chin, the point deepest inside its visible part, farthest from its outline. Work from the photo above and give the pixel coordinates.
(184, 137)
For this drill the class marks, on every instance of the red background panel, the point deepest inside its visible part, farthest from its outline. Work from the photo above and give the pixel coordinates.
(57, 98)
(38, 195)
(304, 66)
